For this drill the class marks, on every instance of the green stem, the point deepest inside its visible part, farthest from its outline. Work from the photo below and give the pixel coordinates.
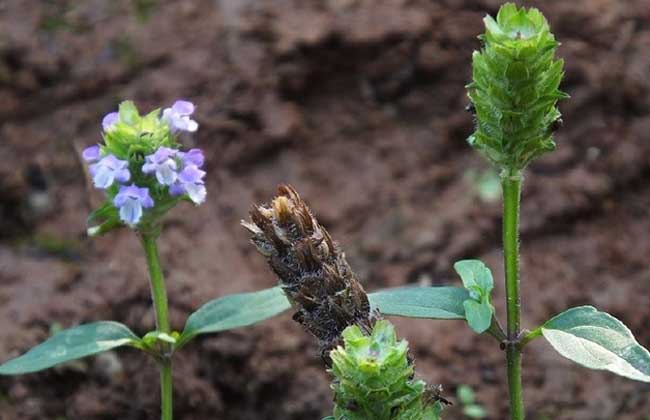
(166, 401)
(511, 183)
(159, 296)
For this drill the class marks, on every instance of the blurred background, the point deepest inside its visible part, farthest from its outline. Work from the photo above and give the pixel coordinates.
(360, 105)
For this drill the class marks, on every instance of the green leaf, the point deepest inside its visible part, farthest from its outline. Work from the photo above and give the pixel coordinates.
(475, 411)
(476, 276)
(74, 343)
(599, 341)
(234, 311)
(421, 302)
(466, 394)
(478, 314)
(151, 337)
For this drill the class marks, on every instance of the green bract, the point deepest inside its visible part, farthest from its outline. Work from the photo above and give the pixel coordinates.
(133, 136)
(374, 378)
(515, 88)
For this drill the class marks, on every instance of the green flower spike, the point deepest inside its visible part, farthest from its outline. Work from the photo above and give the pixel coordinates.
(515, 88)
(374, 378)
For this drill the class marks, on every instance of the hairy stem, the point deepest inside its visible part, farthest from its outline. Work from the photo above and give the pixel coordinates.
(511, 183)
(159, 296)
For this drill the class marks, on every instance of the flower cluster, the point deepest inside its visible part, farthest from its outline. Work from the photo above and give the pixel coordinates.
(515, 88)
(140, 165)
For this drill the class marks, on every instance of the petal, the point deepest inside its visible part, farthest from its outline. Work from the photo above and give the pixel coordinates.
(167, 114)
(110, 162)
(197, 192)
(120, 199)
(91, 154)
(191, 126)
(191, 175)
(162, 154)
(166, 174)
(123, 175)
(176, 189)
(149, 168)
(183, 107)
(194, 157)
(131, 212)
(147, 202)
(103, 177)
(109, 120)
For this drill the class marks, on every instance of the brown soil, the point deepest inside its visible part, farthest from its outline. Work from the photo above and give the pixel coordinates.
(359, 104)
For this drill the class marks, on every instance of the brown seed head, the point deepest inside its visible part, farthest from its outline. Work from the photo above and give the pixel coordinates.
(311, 267)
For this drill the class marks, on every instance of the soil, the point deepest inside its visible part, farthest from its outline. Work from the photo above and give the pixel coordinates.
(359, 104)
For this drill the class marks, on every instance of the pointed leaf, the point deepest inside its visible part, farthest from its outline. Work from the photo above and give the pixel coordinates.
(421, 302)
(599, 341)
(71, 344)
(235, 311)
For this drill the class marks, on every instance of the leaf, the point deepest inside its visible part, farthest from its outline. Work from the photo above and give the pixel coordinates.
(421, 302)
(476, 276)
(466, 394)
(599, 341)
(474, 411)
(74, 343)
(151, 337)
(234, 311)
(478, 314)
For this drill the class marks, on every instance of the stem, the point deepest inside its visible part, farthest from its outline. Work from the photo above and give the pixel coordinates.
(511, 183)
(166, 401)
(159, 296)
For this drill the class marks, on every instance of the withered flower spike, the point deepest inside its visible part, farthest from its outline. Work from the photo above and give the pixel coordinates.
(311, 268)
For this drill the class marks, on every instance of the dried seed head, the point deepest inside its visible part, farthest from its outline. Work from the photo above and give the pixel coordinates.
(311, 267)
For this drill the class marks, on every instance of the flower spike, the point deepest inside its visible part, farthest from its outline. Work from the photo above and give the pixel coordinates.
(515, 88)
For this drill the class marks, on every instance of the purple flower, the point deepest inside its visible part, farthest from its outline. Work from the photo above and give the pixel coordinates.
(91, 154)
(190, 182)
(131, 200)
(163, 164)
(192, 157)
(108, 170)
(109, 121)
(178, 117)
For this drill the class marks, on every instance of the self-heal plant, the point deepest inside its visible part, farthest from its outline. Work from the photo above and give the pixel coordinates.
(514, 94)
(143, 173)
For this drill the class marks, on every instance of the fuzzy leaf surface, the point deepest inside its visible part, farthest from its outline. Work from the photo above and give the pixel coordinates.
(598, 341)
